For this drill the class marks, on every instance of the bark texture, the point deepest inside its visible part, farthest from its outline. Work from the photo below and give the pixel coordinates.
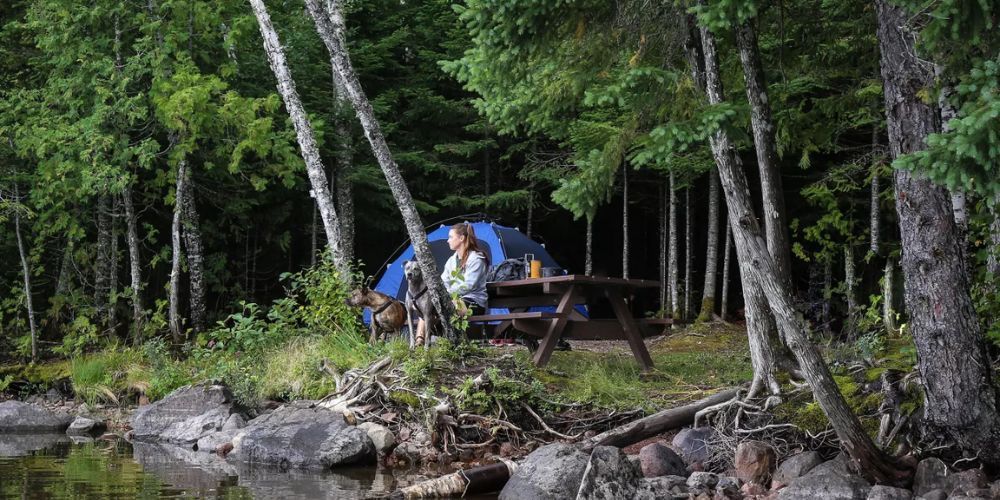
(663, 248)
(174, 313)
(624, 222)
(135, 265)
(191, 231)
(304, 132)
(751, 248)
(672, 256)
(688, 255)
(727, 249)
(588, 261)
(329, 25)
(876, 210)
(712, 249)
(960, 397)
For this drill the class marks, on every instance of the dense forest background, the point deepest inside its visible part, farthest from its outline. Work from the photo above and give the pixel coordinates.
(124, 121)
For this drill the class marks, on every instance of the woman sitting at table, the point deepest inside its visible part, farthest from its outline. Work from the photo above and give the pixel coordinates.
(464, 273)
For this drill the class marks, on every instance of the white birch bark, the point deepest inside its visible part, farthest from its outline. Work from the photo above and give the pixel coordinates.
(875, 211)
(26, 273)
(329, 25)
(727, 247)
(135, 265)
(173, 310)
(712, 249)
(304, 132)
(672, 254)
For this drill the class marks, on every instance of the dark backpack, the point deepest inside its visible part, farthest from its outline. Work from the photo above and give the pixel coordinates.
(508, 270)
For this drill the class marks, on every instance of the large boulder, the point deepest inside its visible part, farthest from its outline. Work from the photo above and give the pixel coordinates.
(17, 417)
(609, 475)
(795, 467)
(381, 437)
(302, 436)
(656, 459)
(83, 426)
(184, 416)
(755, 462)
(830, 481)
(692, 444)
(932, 474)
(553, 472)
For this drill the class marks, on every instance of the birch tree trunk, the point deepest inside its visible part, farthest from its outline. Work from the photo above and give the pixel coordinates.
(135, 265)
(330, 26)
(888, 297)
(875, 210)
(759, 266)
(960, 396)
(191, 230)
(827, 291)
(672, 255)
(712, 249)
(174, 314)
(688, 254)
(345, 164)
(304, 133)
(727, 247)
(624, 222)
(849, 282)
(26, 272)
(588, 262)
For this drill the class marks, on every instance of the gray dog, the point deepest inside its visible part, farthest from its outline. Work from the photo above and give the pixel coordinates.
(418, 304)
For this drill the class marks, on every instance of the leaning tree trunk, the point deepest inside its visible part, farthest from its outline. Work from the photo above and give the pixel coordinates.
(960, 396)
(727, 248)
(102, 260)
(26, 271)
(588, 262)
(330, 26)
(688, 253)
(755, 258)
(672, 256)
(624, 222)
(191, 230)
(307, 143)
(712, 250)
(135, 264)
(174, 314)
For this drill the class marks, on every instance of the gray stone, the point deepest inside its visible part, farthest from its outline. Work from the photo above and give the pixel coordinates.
(729, 487)
(381, 437)
(83, 426)
(297, 437)
(977, 494)
(609, 476)
(655, 488)
(17, 445)
(796, 466)
(932, 474)
(656, 459)
(830, 480)
(883, 492)
(755, 462)
(702, 481)
(961, 483)
(553, 471)
(934, 495)
(995, 488)
(210, 443)
(235, 421)
(18, 417)
(184, 416)
(692, 444)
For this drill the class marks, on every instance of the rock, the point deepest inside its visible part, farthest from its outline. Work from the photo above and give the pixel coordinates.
(53, 396)
(656, 459)
(655, 488)
(699, 482)
(83, 426)
(932, 474)
(18, 417)
(729, 487)
(184, 416)
(883, 492)
(692, 444)
(553, 471)
(978, 494)
(830, 481)
(210, 443)
(298, 436)
(934, 495)
(235, 421)
(796, 466)
(961, 483)
(753, 489)
(995, 488)
(609, 475)
(381, 437)
(17, 445)
(755, 462)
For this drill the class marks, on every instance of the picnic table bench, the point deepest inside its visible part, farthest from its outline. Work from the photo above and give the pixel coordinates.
(564, 292)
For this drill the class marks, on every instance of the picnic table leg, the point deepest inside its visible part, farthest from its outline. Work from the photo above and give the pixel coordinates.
(630, 327)
(556, 328)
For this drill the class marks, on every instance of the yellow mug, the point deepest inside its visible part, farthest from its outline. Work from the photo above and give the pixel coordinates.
(536, 269)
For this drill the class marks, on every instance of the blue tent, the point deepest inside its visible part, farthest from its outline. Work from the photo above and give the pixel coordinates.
(500, 243)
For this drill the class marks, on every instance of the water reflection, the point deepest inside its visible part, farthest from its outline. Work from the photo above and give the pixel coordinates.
(52, 466)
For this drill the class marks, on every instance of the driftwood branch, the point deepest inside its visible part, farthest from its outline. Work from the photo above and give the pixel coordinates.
(656, 423)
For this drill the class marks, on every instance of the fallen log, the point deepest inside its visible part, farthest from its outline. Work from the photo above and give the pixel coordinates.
(657, 423)
(474, 481)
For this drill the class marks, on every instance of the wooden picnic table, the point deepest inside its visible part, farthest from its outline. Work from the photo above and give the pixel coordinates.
(565, 292)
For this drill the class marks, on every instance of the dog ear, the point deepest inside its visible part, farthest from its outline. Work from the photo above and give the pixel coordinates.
(367, 283)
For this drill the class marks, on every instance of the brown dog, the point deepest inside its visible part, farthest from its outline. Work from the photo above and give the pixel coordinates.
(388, 314)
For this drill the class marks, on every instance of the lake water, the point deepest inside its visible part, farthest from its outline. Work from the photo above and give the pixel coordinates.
(53, 466)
